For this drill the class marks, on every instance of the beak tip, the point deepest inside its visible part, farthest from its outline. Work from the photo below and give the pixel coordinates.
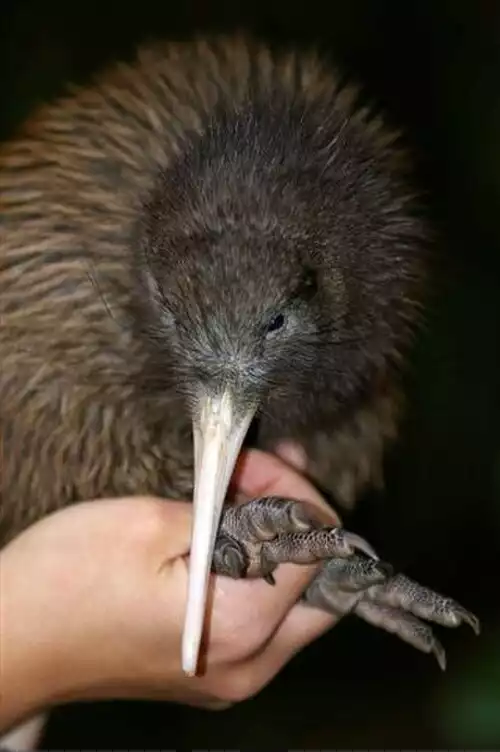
(189, 658)
(188, 668)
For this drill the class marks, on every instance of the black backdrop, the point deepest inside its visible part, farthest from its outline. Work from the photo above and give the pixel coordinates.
(436, 66)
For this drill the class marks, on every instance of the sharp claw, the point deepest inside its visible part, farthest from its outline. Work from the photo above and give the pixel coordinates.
(472, 621)
(303, 519)
(386, 568)
(269, 578)
(356, 541)
(440, 654)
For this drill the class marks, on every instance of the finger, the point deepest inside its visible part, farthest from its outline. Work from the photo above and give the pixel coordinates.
(292, 454)
(260, 473)
(302, 626)
(249, 612)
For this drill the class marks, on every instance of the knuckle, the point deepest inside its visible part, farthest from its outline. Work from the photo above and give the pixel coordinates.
(240, 686)
(218, 705)
(149, 517)
(247, 643)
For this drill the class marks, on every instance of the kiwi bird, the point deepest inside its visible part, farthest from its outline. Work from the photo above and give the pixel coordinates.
(209, 237)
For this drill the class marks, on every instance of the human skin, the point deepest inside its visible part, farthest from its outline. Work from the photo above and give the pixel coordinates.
(93, 599)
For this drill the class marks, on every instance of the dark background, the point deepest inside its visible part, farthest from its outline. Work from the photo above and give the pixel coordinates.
(435, 66)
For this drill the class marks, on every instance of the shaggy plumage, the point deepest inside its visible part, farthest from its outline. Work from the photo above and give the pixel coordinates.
(215, 137)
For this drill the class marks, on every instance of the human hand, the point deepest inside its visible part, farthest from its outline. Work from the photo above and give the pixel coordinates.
(93, 602)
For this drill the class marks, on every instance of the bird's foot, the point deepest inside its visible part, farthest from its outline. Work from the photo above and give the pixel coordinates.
(396, 605)
(256, 537)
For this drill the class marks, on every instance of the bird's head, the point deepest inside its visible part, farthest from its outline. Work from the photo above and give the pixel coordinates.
(278, 255)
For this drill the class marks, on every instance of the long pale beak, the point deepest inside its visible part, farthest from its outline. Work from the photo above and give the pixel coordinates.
(218, 432)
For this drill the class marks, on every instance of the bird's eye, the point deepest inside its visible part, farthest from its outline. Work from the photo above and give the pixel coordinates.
(275, 323)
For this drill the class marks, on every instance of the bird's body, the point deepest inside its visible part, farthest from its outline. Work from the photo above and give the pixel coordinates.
(76, 421)
(208, 218)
